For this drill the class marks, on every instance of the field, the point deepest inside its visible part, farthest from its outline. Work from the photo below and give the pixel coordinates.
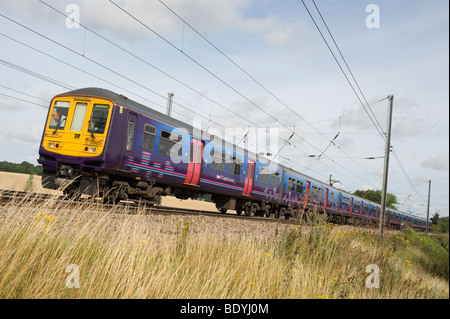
(51, 250)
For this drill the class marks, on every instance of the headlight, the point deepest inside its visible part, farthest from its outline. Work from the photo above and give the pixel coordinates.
(90, 149)
(54, 144)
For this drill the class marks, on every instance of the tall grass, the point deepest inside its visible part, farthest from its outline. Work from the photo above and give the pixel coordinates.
(123, 255)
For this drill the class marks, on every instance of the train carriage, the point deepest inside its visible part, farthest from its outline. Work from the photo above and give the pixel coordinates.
(100, 143)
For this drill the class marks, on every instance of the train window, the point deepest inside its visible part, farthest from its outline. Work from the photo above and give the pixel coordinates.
(331, 197)
(291, 184)
(130, 133)
(366, 209)
(346, 202)
(99, 117)
(299, 187)
(235, 167)
(167, 141)
(313, 191)
(78, 117)
(58, 119)
(320, 193)
(218, 160)
(148, 139)
(264, 174)
(357, 206)
(275, 179)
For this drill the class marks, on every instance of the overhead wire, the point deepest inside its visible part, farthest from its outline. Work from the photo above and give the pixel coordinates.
(96, 61)
(259, 83)
(372, 117)
(224, 82)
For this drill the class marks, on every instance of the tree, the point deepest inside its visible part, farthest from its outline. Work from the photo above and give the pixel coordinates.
(24, 168)
(435, 219)
(375, 196)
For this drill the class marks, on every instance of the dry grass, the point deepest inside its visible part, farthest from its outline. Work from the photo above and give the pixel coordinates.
(121, 255)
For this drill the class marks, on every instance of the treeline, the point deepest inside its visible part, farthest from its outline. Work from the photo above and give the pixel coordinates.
(440, 224)
(24, 167)
(375, 196)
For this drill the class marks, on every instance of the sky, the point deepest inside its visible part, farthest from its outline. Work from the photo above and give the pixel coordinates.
(250, 65)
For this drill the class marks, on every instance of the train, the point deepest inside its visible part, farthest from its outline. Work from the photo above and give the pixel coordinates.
(103, 144)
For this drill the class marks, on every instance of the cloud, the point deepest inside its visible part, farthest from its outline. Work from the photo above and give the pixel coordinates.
(439, 163)
(205, 16)
(276, 32)
(408, 117)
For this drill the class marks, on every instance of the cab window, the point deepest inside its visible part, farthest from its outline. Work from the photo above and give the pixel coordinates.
(59, 115)
(78, 117)
(99, 118)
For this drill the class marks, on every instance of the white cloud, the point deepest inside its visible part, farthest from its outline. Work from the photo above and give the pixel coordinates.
(439, 163)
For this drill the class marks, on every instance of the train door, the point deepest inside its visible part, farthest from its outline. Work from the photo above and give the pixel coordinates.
(195, 163)
(248, 186)
(306, 197)
(130, 138)
(325, 200)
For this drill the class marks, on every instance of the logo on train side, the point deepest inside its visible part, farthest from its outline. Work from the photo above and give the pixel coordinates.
(225, 178)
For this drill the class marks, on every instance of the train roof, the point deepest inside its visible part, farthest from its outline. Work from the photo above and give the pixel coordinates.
(122, 100)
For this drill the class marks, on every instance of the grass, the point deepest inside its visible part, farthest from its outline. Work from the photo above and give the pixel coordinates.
(29, 185)
(121, 255)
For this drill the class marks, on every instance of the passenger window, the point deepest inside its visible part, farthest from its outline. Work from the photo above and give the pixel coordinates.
(78, 117)
(148, 140)
(264, 175)
(291, 184)
(167, 141)
(235, 167)
(299, 187)
(218, 160)
(99, 117)
(59, 115)
(275, 180)
(130, 133)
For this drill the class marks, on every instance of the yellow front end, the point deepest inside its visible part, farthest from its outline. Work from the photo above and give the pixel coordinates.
(77, 126)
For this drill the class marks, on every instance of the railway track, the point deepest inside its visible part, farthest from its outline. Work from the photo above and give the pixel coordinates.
(19, 197)
(7, 196)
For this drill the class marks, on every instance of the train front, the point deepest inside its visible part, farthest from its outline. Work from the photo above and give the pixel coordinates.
(72, 150)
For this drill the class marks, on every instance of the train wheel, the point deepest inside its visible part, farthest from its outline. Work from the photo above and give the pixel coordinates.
(277, 213)
(239, 211)
(111, 195)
